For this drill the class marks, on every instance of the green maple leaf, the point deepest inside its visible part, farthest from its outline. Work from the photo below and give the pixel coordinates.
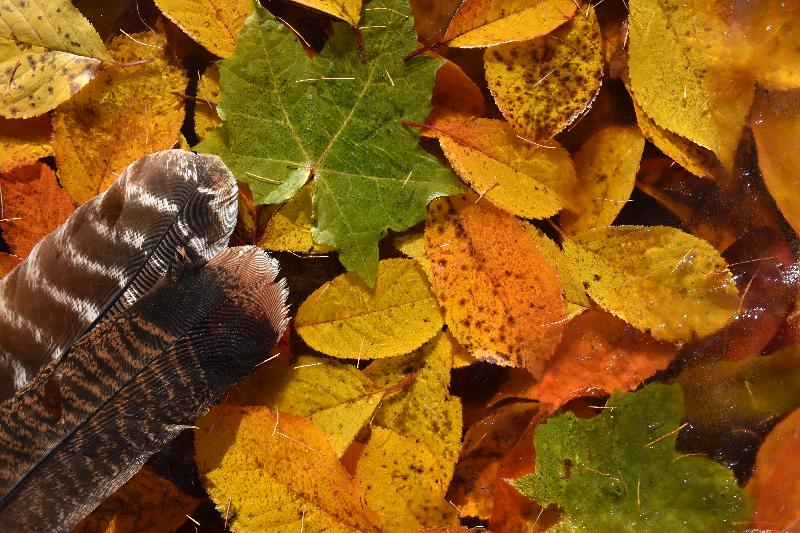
(619, 471)
(336, 118)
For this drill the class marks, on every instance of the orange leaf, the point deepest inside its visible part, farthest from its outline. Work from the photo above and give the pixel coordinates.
(33, 206)
(455, 97)
(502, 300)
(23, 141)
(7, 262)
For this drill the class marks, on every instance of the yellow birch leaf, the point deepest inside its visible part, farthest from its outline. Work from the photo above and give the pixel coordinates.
(541, 86)
(121, 116)
(776, 127)
(276, 472)
(212, 24)
(147, 503)
(400, 482)
(606, 166)
(678, 76)
(413, 246)
(289, 230)
(481, 23)
(345, 318)
(658, 279)
(48, 52)
(347, 10)
(24, 141)
(523, 178)
(208, 97)
(336, 397)
(501, 298)
(424, 411)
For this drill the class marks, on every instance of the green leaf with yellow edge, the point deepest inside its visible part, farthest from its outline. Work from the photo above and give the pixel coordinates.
(24, 141)
(424, 411)
(400, 482)
(606, 166)
(336, 397)
(658, 279)
(336, 119)
(205, 109)
(289, 230)
(345, 318)
(523, 178)
(481, 23)
(680, 75)
(208, 22)
(346, 10)
(619, 471)
(136, 104)
(541, 86)
(48, 52)
(271, 471)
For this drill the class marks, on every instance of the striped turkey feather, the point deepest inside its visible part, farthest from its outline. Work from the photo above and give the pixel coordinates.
(89, 420)
(110, 252)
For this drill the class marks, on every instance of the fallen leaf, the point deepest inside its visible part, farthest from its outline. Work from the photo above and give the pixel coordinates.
(619, 471)
(205, 109)
(33, 206)
(207, 22)
(48, 52)
(523, 178)
(482, 23)
(266, 471)
(774, 486)
(501, 299)
(431, 18)
(335, 397)
(400, 483)
(24, 141)
(333, 118)
(455, 97)
(345, 318)
(123, 115)
(147, 503)
(606, 167)
(679, 76)
(541, 86)
(7, 263)
(289, 229)
(346, 10)
(658, 279)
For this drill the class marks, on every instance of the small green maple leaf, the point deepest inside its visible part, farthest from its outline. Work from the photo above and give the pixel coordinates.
(619, 471)
(336, 118)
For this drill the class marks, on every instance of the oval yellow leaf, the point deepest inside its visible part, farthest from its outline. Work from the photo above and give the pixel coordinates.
(658, 279)
(542, 85)
(347, 10)
(480, 23)
(208, 97)
(23, 141)
(289, 229)
(345, 318)
(606, 166)
(501, 298)
(123, 115)
(208, 22)
(523, 178)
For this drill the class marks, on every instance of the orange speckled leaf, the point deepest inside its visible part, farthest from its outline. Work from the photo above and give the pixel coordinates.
(501, 298)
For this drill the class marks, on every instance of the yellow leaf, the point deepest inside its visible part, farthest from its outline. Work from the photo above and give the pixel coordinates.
(678, 76)
(523, 178)
(541, 86)
(658, 279)
(606, 166)
(347, 10)
(501, 298)
(345, 318)
(48, 52)
(23, 141)
(289, 230)
(212, 24)
(776, 127)
(208, 97)
(122, 115)
(336, 397)
(480, 23)
(400, 483)
(276, 472)
(147, 503)
(424, 411)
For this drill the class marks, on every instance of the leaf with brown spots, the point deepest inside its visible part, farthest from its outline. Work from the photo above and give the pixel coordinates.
(33, 205)
(23, 141)
(501, 298)
(212, 23)
(543, 85)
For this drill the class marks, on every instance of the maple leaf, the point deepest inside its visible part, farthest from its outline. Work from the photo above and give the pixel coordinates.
(619, 471)
(336, 119)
